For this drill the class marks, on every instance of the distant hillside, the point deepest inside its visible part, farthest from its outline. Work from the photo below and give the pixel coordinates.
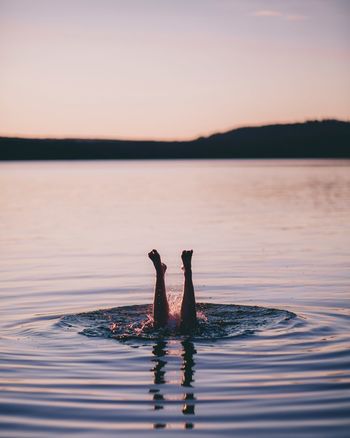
(313, 139)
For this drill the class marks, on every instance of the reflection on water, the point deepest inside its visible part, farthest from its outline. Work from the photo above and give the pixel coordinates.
(188, 373)
(160, 352)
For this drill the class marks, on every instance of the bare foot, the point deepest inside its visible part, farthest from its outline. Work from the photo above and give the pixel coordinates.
(187, 259)
(155, 257)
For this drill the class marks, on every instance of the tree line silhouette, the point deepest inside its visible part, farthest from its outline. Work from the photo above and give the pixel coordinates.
(311, 139)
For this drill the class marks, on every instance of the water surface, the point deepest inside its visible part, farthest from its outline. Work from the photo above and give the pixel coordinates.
(74, 238)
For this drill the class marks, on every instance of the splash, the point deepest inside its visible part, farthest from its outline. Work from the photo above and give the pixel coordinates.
(173, 326)
(215, 321)
(174, 301)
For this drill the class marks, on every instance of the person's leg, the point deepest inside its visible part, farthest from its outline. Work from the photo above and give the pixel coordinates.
(160, 303)
(188, 306)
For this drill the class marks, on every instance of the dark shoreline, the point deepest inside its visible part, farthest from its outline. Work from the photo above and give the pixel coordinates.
(312, 139)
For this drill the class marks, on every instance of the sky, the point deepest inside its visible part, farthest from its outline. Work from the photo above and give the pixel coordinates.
(170, 69)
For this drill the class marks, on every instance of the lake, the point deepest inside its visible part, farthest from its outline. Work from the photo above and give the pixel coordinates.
(75, 237)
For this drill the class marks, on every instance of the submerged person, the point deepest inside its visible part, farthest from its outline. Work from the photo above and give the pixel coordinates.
(188, 317)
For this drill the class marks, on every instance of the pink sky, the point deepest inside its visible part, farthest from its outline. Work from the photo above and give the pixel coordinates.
(170, 70)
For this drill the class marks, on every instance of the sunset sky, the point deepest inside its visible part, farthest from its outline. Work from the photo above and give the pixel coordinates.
(170, 69)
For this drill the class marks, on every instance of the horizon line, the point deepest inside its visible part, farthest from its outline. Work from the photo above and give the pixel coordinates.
(174, 140)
